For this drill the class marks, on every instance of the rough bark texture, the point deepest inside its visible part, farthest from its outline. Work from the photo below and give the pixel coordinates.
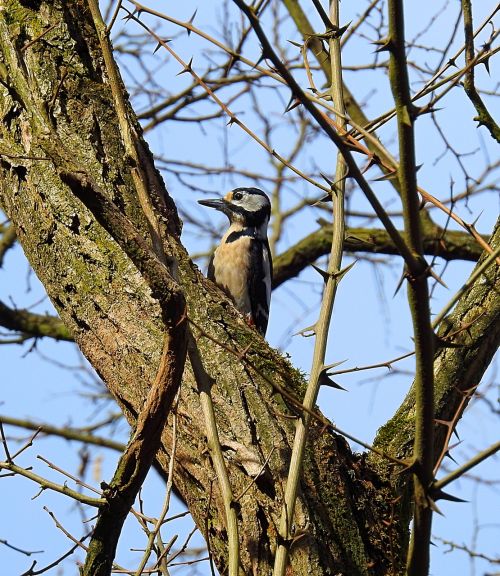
(57, 117)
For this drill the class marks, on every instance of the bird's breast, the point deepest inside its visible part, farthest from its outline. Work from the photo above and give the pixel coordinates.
(231, 270)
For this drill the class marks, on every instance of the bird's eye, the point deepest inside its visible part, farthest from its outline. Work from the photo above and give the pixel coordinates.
(237, 196)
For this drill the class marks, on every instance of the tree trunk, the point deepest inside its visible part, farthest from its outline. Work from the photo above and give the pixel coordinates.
(57, 117)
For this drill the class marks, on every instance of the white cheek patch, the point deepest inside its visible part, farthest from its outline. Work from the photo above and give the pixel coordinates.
(252, 202)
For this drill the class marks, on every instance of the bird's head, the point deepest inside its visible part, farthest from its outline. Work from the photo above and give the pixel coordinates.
(246, 206)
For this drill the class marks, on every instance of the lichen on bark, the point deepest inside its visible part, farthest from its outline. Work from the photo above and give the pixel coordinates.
(57, 117)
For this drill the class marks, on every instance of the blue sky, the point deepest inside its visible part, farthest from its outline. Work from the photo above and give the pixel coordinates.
(370, 324)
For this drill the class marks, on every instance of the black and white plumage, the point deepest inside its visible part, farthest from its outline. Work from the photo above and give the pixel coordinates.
(242, 264)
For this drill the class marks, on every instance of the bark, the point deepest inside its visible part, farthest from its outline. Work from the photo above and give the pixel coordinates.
(57, 119)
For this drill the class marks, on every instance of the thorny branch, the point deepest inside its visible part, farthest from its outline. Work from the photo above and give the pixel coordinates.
(434, 241)
(418, 296)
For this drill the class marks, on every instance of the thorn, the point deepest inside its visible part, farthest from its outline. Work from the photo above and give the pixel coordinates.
(160, 44)
(293, 103)
(325, 380)
(433, 506)
(241, 355)
(325, 275)
(297, 44)
(190, 21)
(400, 283)
(188, 67)
(486, 47)
(385, 45)
(232, 121)
(388, 176)
(373, 160)
(473, 225)
(437, 278)
(134, 14)
(453, 446)
(327, 367)
(448, 455)
(330, 183)
(451, 62)
(336, 275)
(325, 198)
(306, 332)
(427, 110)
(440, 495)
(340, 31)
(341, 273)
(261, 59)
(446, 423)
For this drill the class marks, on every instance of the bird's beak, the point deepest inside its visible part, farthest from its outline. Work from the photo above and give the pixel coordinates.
(217, 203)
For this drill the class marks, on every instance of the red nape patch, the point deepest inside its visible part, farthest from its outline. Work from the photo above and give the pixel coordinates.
(249, 320)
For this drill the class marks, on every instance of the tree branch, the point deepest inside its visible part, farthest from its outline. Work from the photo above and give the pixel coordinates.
(48, 485)
(321, 329)
(449, 245)
(146, 439)
(335, 137)
(418, 296)
(460, 471)
(138, 457)
(483, 117)
(7, 240)
(33, 325)
(67, 433)
(474, 330)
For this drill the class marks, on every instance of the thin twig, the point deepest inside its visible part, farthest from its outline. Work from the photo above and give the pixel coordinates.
(114, 17)
(491, 259)
(233, 118)
(319, 418)
(48, 485)
(322, 326)
(70, 476)
(129, 137)
(67, 433)
(477, 459)
(483, 115)
(204, 383)
(4, 442)
(166, 503)
(254, 479)
(326, 125)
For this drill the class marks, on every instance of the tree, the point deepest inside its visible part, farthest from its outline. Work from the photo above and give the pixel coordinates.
(90, 209)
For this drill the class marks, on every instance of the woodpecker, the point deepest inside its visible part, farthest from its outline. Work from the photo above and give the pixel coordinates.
(241, 265)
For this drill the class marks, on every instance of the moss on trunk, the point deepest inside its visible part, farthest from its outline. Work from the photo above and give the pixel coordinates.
(57, 116)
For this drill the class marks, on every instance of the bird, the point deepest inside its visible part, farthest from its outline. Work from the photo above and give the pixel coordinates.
(242, 264)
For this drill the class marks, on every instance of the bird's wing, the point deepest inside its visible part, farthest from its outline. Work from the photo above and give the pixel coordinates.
(211, 269)
(260, 279)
